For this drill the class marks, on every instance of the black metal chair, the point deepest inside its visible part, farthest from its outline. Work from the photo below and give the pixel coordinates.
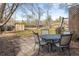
(44, 31)
(64, 43)
(39, 42)
(59, 30)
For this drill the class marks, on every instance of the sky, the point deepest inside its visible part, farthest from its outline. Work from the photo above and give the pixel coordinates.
(55, 12)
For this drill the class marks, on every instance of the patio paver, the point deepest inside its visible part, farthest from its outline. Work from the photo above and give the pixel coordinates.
(17, 46)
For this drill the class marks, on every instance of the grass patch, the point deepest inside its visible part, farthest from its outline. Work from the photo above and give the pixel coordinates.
(28, 33)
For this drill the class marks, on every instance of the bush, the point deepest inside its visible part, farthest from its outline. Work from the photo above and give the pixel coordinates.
(7, 28)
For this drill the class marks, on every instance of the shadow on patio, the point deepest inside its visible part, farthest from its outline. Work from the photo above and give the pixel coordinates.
(18, 46)
(74, 50)
(9, 46)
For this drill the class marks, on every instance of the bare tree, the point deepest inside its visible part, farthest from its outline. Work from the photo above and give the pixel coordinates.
(47, 8)
(6, 11)
(39, 11)
(25, 8)
(2, 8)
(36, 12)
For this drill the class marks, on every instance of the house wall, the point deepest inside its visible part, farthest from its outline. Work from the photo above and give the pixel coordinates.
(74, 20)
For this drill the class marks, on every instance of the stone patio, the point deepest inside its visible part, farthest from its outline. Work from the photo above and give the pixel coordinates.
(18, 46)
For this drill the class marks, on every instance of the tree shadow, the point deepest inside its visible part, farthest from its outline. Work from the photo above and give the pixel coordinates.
(9, 46)
(73, 52)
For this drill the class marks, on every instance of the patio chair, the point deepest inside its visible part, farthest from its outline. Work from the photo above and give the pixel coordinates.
(64, 43)
(60, 29)
(44, 31)
(38, 41)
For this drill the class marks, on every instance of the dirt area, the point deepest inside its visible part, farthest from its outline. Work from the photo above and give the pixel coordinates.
(12, 45)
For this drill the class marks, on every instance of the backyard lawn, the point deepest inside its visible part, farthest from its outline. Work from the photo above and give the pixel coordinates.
(28, 32)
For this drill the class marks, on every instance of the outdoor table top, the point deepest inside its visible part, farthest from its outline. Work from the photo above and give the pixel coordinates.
(53, 37)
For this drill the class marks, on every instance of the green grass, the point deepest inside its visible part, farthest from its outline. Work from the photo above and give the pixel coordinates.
(24, 33)
(28, 33)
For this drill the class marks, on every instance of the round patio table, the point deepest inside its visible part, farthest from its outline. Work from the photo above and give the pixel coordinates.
(51, 39)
